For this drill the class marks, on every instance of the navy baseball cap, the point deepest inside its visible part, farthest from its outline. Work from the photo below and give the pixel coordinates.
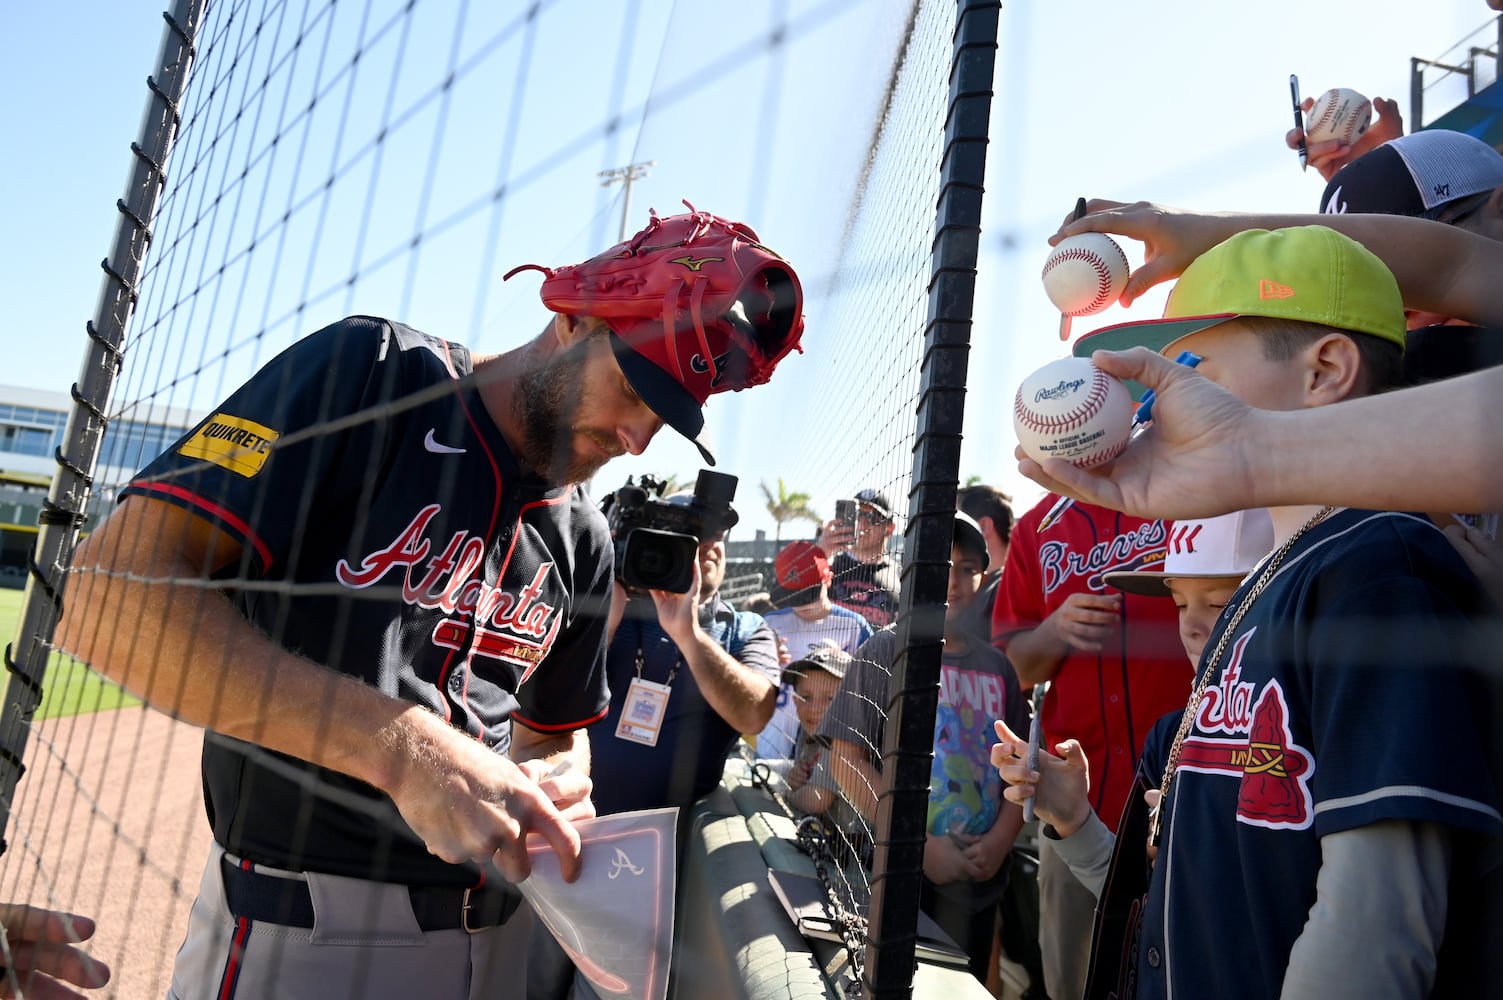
(877, 501)
(1420, 175)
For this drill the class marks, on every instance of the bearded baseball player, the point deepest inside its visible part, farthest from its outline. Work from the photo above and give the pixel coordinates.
(372, 575)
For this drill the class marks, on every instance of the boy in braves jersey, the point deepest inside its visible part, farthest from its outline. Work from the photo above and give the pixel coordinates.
(1331, 825)
(1114, 665)
(371, 575)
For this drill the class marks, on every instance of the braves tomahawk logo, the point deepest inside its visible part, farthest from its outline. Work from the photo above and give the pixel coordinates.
(700, 365)
(1259, 749)
(1128, 552)
(515, 627)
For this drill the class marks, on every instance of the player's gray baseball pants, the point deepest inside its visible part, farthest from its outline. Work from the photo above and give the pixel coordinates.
(259, 933)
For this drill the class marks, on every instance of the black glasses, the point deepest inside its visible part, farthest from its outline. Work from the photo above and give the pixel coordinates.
(1455, 212)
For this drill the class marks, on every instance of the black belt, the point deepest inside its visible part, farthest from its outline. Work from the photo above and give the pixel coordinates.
(287, 901)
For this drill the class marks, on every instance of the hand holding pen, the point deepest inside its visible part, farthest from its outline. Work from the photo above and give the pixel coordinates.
(1299, 121)
(1140, 421)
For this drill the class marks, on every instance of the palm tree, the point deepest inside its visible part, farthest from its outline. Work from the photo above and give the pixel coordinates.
(785, 506)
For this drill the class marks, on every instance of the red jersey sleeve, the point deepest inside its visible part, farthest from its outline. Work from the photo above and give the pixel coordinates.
(1020, 594)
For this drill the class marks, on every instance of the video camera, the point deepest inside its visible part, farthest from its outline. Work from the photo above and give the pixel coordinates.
(656, 540)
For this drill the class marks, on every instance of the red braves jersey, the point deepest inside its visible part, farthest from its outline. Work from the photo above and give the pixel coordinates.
(1107, 700)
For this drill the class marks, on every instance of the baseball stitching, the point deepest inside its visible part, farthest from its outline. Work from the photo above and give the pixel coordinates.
(1103, 278)
(1068, 421)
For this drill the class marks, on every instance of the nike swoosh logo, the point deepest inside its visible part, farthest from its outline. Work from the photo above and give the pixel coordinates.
(439, 449)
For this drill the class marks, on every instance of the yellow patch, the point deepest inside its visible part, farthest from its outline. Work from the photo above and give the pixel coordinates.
(232, 443)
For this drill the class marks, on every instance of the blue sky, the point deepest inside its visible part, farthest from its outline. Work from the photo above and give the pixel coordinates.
(1175, 101)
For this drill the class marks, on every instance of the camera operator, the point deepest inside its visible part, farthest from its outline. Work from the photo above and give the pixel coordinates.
(720, 670)
(687, 674)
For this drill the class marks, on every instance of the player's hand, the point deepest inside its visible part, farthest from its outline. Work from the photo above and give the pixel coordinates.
(679, 613)
(1204, 454)
(43, 955)
(565, 783)
(1060, 788)
(1483, 555)
(784, 657)
(1330, 156)
(1172, 238)
(799, 773)
(1086, 621)
(469, 803)
(835, 536)
(945, 861)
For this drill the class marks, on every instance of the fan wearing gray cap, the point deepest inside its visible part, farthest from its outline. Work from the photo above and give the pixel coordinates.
(814, 679)
(865, 576)
(970, 828)
(1449, 177)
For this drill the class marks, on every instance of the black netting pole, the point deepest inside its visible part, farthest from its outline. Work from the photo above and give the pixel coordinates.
(908, 742)
(63, 510)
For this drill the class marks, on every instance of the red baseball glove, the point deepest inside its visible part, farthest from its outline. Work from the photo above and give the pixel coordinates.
(696, 294)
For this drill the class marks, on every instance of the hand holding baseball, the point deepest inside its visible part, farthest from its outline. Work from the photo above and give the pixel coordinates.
(1195, 461)
(1071, 410)
(1331, 154)
(1085, 274)
(1171, 238)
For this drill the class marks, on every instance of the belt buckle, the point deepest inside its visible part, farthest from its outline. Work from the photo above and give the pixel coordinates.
(464, 914)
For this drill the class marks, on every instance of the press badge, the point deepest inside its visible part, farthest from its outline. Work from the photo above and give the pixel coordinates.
(642, 717)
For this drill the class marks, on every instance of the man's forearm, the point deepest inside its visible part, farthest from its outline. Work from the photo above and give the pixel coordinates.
(859, 781)
(187, 651)
(1036, 654)
(1438, 268)
(1371, 937)
(743, 698)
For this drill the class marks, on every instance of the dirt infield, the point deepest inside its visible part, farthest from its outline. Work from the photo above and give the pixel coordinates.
(109, 822)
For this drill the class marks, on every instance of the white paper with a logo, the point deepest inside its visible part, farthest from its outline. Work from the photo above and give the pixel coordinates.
(616, 921)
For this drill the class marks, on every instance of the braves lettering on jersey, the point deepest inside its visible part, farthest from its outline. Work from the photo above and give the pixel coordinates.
(1108, 699)
(403, 546)
(1351, 694)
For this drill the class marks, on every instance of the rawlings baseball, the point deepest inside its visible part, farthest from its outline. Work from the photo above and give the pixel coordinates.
(1071, 409)
(1084, 274)
(1339, 113)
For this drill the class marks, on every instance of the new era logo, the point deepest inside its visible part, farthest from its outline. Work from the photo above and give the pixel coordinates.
(1273, 290)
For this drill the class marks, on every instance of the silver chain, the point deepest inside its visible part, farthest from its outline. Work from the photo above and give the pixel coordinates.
(1171, 766)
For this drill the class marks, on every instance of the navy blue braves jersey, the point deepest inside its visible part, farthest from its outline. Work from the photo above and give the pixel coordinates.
(388, 533)
(689, 757)
(1350, 694)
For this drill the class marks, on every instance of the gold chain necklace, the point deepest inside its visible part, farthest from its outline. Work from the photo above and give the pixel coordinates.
(1188, 719)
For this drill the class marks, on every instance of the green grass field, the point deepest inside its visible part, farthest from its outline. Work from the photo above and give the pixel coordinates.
(69, 688)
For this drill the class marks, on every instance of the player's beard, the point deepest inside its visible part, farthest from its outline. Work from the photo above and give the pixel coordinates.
(548, 400)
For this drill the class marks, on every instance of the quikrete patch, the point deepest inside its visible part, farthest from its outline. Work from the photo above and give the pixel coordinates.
(232, 443)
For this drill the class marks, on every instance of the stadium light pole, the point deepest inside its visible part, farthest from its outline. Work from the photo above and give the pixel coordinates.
(627, 175)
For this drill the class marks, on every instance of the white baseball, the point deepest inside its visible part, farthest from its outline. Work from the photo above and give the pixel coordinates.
(1339, 113)
(1084, 274)
(1071, 409)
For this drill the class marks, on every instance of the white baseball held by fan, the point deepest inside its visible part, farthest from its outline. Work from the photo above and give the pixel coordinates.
(1339, 113)
(1072, 410)
(1084, 274)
